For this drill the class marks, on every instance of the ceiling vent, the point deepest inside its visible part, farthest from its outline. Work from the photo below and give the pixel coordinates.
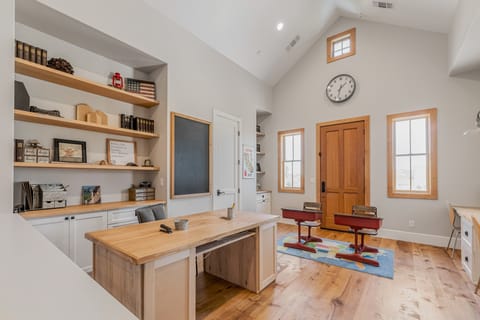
(383, 4)
(292, 43)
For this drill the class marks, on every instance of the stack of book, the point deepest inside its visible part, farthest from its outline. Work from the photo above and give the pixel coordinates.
(31, 53)
(144, 88)
(137, 123)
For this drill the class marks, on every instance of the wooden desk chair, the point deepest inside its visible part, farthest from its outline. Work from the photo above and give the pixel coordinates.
(311, 206)
(152, 213)
(476, 228)
(455, 223)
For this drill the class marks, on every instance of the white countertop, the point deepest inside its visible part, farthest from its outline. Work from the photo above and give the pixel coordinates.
(37, 281)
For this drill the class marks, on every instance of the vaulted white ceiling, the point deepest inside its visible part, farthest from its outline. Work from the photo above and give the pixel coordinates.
(245, 30)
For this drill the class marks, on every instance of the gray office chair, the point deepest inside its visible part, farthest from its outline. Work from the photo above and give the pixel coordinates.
(312, 206)
(455, 223)
(151, 213)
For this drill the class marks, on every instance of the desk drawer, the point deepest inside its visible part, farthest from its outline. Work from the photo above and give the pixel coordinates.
(467, 258)
(467, 231)
(121, 216)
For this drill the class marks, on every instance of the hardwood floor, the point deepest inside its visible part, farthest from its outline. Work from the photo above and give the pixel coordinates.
(427, 284)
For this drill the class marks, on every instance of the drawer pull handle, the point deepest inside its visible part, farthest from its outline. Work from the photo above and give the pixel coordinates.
(466, 259)
(66, 218)
(466, 233)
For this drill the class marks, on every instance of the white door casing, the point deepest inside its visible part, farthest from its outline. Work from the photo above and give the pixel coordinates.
(226, 160)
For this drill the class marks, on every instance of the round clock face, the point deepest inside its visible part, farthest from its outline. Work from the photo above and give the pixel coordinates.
(340, 88)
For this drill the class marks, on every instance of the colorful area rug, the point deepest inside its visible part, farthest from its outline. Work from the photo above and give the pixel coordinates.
(327, 249)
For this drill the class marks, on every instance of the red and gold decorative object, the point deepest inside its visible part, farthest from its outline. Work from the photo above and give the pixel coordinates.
(117, 80)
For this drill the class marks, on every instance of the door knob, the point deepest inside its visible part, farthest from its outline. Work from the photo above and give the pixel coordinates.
(219, 192)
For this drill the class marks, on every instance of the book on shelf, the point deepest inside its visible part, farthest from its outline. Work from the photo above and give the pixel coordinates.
(19, 150)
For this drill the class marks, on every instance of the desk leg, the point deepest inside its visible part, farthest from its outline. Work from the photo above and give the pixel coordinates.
(169, 287)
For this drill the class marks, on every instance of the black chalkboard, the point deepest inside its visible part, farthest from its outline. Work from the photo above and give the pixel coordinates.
(190, 156)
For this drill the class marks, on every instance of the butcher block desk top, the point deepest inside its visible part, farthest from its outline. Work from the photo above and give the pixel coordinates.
(468, 212)
(144, 242)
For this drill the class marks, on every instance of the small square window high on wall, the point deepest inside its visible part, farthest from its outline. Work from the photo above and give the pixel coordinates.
(341, 45)
(412, 154)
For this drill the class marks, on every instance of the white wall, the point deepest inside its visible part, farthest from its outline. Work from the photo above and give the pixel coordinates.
(7, 44)
(396, 69)
(463, 44)
(199, 79)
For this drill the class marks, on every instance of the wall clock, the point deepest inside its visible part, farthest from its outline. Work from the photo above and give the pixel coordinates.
(340, 88)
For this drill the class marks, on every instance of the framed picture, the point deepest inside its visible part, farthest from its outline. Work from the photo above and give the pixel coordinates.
(248, 155)
(69, 151)
(121, 153)
(91, 195)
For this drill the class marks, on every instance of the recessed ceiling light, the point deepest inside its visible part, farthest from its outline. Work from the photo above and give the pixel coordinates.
(280, 26)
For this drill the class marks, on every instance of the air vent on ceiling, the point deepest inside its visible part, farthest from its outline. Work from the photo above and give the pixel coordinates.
(292, 43)
(382, 4)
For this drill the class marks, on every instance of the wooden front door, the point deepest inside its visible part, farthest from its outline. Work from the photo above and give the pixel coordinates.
(342, 169)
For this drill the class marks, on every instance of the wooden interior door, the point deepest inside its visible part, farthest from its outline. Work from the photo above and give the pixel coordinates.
(342, 169)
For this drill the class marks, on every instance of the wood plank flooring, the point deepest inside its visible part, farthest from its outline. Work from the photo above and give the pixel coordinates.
(427, 284)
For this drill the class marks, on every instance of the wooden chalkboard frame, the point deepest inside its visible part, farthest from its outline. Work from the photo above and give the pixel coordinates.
(173, 116)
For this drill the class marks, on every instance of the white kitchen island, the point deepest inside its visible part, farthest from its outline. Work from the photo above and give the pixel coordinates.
(39, 282)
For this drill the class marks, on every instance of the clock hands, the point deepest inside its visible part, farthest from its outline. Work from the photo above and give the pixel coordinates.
(340, 88)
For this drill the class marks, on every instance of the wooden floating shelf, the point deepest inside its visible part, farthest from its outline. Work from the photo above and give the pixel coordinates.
(260, 153)
(81, 125)
(260, 134)
(41, 72)
(88, 166)
(79, 209)
(260, 172)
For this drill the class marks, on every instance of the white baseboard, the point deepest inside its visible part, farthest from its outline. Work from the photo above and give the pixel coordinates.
(430, 239)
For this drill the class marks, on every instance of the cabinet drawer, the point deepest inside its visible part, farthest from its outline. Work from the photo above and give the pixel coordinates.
(467, 258)
(263, 196)
(121, 215)
(467, 231)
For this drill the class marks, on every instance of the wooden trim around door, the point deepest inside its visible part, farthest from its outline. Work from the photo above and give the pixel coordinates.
(366, 121)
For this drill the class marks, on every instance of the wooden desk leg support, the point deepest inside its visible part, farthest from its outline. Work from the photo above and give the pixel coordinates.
(299, 245)
(357, 256)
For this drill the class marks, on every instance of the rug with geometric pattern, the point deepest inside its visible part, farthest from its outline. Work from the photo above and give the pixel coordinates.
(326, 250)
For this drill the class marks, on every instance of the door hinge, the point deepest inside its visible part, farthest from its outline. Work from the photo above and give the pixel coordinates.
(238, 161)
(238, 190)
(319, 154)
(238, 132)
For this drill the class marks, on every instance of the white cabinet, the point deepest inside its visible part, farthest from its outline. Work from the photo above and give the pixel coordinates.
(56, 230)
(470, 262)
(80, 248)
(68, 234)
(264, 202)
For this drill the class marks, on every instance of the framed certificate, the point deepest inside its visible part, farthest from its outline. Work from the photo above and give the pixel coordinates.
(121, 153)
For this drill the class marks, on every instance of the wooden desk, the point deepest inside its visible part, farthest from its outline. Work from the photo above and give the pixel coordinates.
(153, 273)
(470, 241)
(302, 215)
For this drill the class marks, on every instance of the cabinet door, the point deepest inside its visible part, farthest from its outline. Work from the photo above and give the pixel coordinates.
(54, 229)
(268, 254)
(80, 248)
